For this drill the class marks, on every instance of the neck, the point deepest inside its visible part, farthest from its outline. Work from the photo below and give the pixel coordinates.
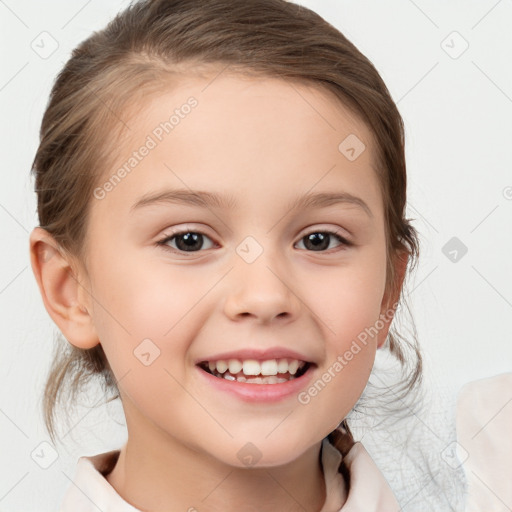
(156, 472)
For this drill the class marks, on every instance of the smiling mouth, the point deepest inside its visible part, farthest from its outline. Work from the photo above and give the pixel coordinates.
(252, 371)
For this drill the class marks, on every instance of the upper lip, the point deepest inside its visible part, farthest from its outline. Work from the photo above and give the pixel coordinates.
(258, 355)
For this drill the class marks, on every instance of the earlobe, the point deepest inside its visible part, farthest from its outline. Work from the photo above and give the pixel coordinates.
(61, 289)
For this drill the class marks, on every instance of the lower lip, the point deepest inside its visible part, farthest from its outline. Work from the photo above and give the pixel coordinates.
(259, 392)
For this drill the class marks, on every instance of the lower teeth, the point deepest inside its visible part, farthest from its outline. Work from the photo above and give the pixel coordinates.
(270, 379)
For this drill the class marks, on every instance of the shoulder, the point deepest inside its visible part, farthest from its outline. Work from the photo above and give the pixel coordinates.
(484, 407)
(490, 387)
(484, 443)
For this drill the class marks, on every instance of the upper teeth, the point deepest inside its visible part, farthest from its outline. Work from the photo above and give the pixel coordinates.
(254, 367)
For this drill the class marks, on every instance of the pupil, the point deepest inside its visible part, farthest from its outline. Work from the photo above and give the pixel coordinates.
(317, 240)
(191, 241)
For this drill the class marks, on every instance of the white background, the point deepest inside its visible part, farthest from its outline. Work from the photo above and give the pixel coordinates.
(458, 119)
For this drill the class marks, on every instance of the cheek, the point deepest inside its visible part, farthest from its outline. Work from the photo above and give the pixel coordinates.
(145, 308)
(350, 349)
(147, 300)
(347, 300)
(146, 326)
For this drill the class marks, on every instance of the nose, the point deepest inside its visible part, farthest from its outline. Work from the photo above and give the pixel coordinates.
(262, 291)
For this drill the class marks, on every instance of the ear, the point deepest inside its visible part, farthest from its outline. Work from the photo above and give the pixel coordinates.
(63, 291)
(390, 299)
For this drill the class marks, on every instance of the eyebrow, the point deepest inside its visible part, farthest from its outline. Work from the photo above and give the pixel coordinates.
(324, 199)
(214, 200)
(193, 197)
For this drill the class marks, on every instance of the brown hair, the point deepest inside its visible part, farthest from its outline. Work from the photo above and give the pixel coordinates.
(137, 52)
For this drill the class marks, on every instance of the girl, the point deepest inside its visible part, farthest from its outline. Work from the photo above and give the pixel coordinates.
(221, 195)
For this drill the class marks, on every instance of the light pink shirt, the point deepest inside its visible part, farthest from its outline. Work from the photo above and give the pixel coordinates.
(484, 442)
(368, 492)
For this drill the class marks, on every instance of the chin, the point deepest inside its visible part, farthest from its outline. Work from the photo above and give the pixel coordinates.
(263, 453)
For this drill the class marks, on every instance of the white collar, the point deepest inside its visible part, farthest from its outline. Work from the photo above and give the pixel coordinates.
(369, 492)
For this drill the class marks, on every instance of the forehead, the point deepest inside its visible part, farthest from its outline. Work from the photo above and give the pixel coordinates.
(218, 131)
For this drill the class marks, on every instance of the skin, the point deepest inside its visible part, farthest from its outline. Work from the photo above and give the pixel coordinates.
(264, 143)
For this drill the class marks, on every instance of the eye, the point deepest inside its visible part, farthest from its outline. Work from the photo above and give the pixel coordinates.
(185, 241)
(320, 241)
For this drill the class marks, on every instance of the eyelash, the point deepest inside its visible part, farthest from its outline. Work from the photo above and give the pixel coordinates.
(344, 243)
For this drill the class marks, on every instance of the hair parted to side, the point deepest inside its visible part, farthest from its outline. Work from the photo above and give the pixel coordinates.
(139, 51)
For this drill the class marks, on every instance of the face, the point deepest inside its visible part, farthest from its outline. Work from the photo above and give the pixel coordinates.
(266, 246)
